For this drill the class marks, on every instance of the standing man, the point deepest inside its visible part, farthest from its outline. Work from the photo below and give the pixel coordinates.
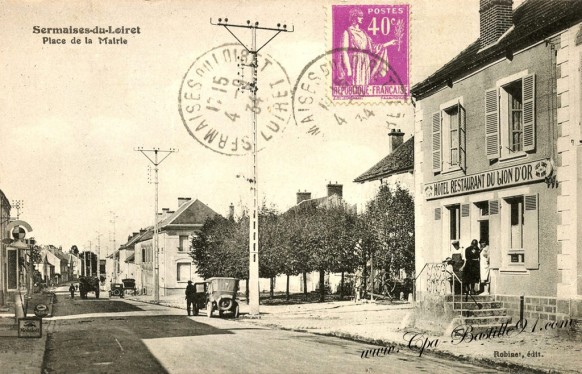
(72, 290)
(190, 296)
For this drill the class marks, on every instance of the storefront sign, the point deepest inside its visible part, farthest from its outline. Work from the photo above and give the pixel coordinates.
(29, 328)
(505, 177)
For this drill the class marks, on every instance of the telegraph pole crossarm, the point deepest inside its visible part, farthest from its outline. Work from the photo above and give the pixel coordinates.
(252, 87)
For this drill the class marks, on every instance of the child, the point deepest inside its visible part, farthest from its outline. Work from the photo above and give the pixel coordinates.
(72, 290)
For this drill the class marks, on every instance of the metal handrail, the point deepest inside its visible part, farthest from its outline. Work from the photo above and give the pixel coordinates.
(455, 279)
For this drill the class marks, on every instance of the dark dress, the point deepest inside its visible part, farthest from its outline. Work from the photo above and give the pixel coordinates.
(471, 273)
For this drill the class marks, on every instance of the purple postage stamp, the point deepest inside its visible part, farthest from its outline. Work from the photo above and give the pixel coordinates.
(371, 52)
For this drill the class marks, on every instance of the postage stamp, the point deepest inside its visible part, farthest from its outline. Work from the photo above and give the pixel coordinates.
(373, 62)
(218, 113)
(317, 114)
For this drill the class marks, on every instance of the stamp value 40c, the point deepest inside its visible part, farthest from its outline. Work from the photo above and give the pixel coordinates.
(371, 59)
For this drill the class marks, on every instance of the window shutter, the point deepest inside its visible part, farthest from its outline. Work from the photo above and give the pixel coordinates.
(437, 214)
(436, 142)
(462, 138)
(530, 231)
(494, 235)
(492, 123)
(529, 114)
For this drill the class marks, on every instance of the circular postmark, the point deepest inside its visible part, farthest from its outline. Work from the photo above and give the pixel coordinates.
(315, 112)
(217, 108)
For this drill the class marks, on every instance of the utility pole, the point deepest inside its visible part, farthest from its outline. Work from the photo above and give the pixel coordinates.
(98, 256)
(90, 259)
(19, 206)
(252, 87)
(114, 273)
(156, 162)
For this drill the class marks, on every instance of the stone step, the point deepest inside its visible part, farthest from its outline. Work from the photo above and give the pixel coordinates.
(472, 305)
(486, 320)
(483, 312)
(479, 298)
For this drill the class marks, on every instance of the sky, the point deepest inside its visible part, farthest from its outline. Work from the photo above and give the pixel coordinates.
(71, 116)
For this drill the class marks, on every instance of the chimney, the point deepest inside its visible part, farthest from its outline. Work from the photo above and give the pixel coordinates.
(302, 196)
(335, 189)
(396, 139)
(494, 20)
(182, 200)
(165, 212)
(231, 211)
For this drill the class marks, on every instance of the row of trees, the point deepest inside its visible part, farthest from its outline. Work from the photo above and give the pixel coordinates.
(330, 237)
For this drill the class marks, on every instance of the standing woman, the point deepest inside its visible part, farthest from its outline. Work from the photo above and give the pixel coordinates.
(484, 266)
(471, 276)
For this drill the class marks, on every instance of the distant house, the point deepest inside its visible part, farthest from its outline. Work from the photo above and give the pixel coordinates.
(333, 198)
(176, 230)
(54, 265)
(398, 165)
(5, 208)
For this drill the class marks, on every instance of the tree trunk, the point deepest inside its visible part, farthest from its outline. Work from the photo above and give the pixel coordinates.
(305, 284)
(342, 287)
(287, 288)
(247, 290)
(322, 286)
(272, 288)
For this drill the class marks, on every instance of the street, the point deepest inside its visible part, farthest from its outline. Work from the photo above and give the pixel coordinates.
(117, 335)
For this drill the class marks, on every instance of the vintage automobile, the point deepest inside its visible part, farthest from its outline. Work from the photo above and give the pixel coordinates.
(221, 296)
(199, 297)
(129, 286)
(116, 290)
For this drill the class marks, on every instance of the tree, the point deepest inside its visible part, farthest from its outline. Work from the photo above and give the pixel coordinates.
(272, 250)
(390, 223)
(219, 249)
(297, 244)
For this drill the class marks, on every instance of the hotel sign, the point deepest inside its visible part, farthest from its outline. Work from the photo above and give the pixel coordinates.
(505, 177)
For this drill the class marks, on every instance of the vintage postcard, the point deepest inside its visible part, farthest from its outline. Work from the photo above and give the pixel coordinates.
(290, 186)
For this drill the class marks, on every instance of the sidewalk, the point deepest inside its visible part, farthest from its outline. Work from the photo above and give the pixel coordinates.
(550, 350)
(23, 355)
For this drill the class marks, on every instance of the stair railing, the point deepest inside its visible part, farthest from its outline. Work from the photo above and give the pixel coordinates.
(438, 281)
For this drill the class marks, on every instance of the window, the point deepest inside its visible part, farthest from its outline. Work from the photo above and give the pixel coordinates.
(452, 118)
(449, 137)
(183, 272)
(184, 243)
(520, 232)
(455, 222)
(516, 222)
(510, 117)
(515, 116)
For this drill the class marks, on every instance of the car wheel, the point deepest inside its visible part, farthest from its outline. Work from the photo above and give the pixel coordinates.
(209, 309)
(236, 311)
(116, 292)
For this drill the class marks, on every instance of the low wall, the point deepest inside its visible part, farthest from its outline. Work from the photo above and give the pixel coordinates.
(432, 313)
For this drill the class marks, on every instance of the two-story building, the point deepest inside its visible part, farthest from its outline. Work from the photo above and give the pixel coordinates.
(498, 156)
(5, 208)
(176, 230)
